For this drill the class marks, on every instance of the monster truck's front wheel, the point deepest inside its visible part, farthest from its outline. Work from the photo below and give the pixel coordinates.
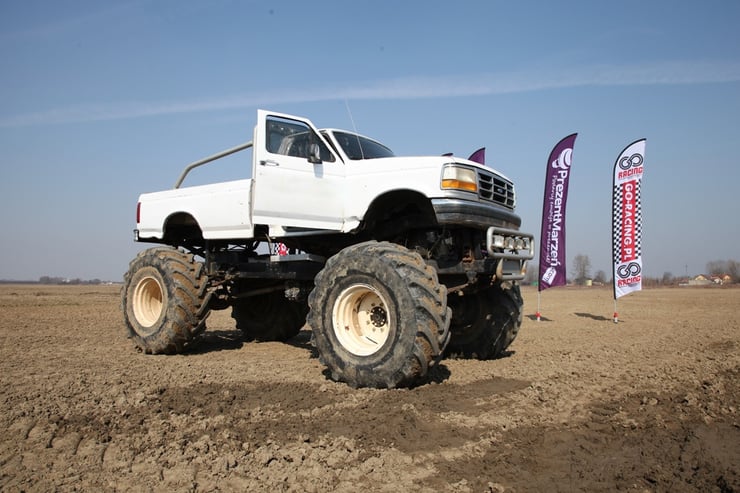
(163, 300)
(379, 316)
(484, 324)
(268, 317)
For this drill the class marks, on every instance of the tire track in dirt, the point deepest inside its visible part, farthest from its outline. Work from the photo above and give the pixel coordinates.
(580, 405)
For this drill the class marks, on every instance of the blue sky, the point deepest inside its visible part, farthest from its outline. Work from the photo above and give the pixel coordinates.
(100, 101)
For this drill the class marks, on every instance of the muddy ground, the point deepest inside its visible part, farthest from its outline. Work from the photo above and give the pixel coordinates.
(579, 404)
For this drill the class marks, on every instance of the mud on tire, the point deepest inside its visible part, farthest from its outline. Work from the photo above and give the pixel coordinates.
(485, 323)
(379, 316)
(164, 300)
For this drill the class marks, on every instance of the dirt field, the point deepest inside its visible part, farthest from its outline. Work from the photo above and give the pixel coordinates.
(579, 404)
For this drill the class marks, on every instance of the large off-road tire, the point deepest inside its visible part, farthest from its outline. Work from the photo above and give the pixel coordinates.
(269, 317)
(164, 300)
(484, 324)
(516, 308)
(379, 316)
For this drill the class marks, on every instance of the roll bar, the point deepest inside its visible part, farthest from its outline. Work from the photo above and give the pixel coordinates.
(208, 159)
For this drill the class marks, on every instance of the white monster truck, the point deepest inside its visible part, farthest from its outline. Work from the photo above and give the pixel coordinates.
(392, 262)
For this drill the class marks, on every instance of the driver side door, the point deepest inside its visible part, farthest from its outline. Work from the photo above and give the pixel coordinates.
(297, 177)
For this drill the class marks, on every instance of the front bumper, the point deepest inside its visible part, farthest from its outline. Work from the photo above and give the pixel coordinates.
(507, 248)
(468, 214)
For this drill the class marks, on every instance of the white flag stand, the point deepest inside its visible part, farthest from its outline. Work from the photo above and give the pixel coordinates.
(616, 316)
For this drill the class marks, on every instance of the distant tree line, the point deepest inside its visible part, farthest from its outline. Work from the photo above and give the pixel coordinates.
(581, 273)
(722, 267)
(64, 280)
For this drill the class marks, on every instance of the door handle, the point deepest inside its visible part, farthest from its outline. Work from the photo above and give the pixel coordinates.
(269, 162)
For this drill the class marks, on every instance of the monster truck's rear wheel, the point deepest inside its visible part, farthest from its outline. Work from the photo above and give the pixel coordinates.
(379, 316)
(163, 300)
(269, 317)
(484, 324)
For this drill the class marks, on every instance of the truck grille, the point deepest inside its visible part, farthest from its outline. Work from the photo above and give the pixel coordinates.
(493, 188)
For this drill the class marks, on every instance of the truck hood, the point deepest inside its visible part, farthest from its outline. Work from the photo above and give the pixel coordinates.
(419, 162)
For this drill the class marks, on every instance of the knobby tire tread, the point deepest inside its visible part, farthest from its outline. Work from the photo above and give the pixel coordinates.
(427, 316)
(186, 311)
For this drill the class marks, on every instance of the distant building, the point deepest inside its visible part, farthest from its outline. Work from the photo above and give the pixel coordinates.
(700, 280)
(722, 279)
(704, 280)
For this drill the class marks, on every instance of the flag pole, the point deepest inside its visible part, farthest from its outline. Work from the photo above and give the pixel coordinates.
(616, 316)
(538, 305)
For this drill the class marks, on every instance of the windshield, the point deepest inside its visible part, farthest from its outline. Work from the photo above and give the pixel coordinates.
(358, 147)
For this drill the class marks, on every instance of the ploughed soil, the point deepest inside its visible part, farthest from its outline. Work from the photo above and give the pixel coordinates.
(579, 403)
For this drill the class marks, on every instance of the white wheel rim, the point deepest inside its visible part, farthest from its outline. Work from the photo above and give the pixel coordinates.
(361, 320)
(148, 301)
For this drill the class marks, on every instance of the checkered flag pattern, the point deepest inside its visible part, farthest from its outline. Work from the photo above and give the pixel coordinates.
(616, 222)
(638, 220)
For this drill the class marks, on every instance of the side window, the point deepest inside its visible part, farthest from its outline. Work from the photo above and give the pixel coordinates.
(293, 138)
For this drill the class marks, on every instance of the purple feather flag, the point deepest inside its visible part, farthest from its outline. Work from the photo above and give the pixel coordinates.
(478, 156)
(552, 239)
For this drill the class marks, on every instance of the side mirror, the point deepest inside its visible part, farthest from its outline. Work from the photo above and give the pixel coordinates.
(314, 153)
